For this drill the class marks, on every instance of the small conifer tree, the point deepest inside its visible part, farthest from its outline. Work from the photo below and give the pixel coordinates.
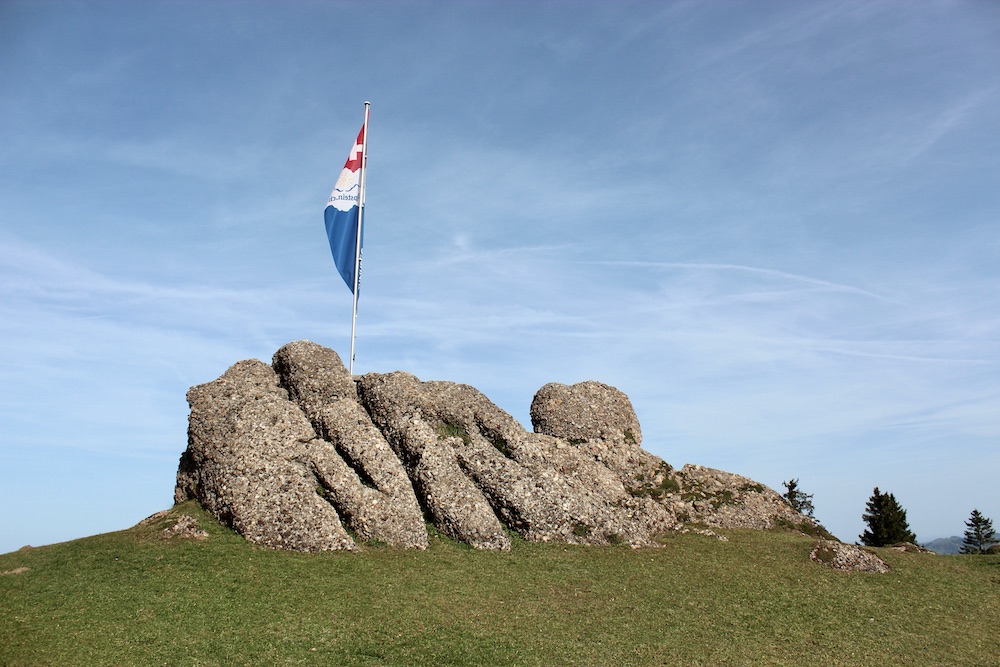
(799, 501)
(886, 521)
(979, 535)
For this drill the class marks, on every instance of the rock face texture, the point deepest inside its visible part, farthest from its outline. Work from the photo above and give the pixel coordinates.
(725, 500)
(358, 470)
(847, 557)
(300, 455)
(249, 458)
(478, 471)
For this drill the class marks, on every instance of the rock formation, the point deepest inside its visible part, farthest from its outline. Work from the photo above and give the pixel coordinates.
(847, 557)
(300, 455)
(251, 461)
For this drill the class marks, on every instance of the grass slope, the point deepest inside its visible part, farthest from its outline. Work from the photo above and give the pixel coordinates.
(136, 597)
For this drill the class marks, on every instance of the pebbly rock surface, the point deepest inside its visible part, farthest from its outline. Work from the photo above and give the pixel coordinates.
(480, 471)
(722, 499)
(601, 423)
(847, 557)
(585, 411)
(360, 474)
(427, 426)
(247, 462)
(301, 455)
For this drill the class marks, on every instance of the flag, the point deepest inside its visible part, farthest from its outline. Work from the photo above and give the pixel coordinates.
(342, 213)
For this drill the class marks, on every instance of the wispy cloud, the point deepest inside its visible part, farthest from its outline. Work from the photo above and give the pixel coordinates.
(784, 275)
(930, 126)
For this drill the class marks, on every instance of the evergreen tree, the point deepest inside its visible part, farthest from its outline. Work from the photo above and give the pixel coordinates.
(800, 502)
(886, 521)
(979, 535)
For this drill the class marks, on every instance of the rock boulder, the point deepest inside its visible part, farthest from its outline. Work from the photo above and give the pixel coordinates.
(248, 462)
(847, 557)
(301, 455)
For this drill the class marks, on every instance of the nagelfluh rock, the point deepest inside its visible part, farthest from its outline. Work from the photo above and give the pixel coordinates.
(300, 455)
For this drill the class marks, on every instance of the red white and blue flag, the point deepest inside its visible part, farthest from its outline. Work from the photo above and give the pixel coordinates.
(343, 210)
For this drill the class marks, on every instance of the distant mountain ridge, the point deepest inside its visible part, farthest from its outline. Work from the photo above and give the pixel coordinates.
(946, 546)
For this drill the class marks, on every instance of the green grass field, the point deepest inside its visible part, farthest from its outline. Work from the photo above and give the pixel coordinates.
(137, 598)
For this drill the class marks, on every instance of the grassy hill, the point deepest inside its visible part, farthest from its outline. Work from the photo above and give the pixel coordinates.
(137, 597)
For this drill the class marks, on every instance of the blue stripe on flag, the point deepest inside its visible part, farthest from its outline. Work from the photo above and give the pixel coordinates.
(342, 229)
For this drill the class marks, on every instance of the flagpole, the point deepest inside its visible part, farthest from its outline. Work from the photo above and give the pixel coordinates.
(357, 248)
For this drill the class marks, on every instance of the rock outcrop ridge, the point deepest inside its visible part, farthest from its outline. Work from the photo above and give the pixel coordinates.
(299, 455)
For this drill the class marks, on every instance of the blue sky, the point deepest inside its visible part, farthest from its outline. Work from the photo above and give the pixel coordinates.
(774, 225)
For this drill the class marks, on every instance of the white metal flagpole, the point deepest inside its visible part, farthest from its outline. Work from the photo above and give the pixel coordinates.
(361, 216)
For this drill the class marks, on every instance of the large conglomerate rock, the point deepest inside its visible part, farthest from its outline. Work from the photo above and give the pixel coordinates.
(361, 475)
(248, 462)
(601, 423)
(585, 411)
(305, 456)
(478, 470)
(428, 438)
